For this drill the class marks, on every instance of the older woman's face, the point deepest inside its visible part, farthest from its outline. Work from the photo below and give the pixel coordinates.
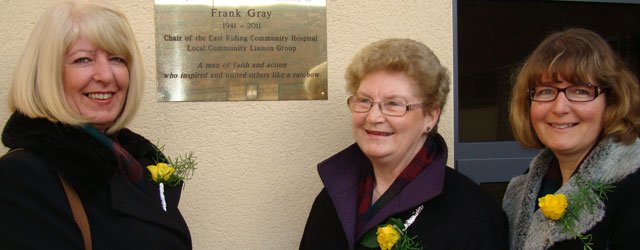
(389, 138)
(95, 83)
(568, 128)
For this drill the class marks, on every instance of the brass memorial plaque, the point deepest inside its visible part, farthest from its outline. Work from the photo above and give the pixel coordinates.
(241, 50)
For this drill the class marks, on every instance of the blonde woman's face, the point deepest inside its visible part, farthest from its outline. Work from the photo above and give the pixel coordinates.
(95, 83)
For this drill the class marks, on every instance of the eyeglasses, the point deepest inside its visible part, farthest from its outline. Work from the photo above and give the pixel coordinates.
(576, 93)
(388, 107)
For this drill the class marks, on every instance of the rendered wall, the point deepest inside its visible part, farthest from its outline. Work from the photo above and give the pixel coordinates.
(256, 177)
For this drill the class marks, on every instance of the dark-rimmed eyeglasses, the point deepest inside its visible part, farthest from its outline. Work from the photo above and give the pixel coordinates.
(388, 107)
(575, 93)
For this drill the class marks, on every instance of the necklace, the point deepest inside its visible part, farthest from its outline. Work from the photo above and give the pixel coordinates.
(375, 189)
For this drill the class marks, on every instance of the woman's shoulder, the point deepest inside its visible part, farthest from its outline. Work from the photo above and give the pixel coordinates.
(612, 161)
(31, 194)
(462, 186)
(323, 200)
(462, 195)
(22, 163)
(28, 181)
(626, 190)
(25, 170)
(465, 210)
(322, 210)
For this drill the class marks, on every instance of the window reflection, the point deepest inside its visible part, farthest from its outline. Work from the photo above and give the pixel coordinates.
(494, 37)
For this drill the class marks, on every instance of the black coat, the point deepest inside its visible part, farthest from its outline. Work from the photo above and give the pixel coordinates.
(613, 223)
(34, 210)
(457, 214)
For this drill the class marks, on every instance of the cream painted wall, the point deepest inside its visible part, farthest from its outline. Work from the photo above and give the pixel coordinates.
(256, 177)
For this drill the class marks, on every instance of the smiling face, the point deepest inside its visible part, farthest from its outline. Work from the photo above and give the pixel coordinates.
(568, 128)
(95, 83)
(387, 138)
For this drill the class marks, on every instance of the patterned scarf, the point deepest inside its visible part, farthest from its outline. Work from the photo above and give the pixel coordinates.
(366, 210)
(127, 165)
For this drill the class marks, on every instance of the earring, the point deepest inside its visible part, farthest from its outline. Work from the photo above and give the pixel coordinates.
(428, 129)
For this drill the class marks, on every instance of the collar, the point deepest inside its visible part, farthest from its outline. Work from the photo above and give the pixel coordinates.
(87, 165)
(340, 174)
(608, 163)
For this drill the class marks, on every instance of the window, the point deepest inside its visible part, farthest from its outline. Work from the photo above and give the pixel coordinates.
(491, 39)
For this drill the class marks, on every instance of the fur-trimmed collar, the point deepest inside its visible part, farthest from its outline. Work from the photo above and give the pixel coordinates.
(70, 151)
(608, 163)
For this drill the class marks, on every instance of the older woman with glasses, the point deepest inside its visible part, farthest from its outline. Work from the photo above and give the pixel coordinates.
(392, 187)
(577, 101)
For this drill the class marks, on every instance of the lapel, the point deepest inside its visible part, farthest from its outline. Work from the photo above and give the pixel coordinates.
(425, 187)
(525, 189)
(544, 233)
(608, 163)
(129, 200)
(340, 175)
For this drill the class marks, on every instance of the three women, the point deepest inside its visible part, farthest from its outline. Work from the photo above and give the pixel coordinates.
(397, 154)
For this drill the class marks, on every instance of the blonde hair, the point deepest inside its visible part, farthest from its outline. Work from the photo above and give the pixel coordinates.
(37, 89)
(577, 55)
(406, 56)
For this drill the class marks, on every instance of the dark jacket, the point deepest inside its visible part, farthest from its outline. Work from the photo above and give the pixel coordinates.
(613, 223)
(34, 210)
(457, 214)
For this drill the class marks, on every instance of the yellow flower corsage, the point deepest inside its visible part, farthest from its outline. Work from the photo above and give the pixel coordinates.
(553, 206)
(160, 172)
(387, 236)
(170, 171)
(393, 235)
(566, 210)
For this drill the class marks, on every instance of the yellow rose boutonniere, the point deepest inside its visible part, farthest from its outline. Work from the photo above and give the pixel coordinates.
(160, 172)
(171, 171)
(393, 235)
(553, 206)
(387, 236)
(566, 210)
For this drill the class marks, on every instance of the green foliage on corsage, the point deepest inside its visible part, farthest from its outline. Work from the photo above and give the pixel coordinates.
(172, 171)
(390, 235)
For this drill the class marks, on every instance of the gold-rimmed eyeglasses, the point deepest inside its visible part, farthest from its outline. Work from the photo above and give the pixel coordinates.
(388, 107)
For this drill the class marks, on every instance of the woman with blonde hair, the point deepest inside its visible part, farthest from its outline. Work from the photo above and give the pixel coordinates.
(74, 176)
